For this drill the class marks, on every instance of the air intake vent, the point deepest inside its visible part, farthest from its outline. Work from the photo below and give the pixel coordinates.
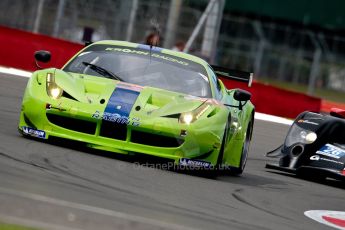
(113, 130)
(72, 123)
(155, 140)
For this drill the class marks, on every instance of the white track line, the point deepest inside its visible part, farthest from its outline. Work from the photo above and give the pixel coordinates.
(274, 119)
(258, 116)
(18, 72)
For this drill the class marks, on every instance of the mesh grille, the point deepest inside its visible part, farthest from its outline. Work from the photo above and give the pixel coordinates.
(113, 130)
(155, 140)
(72, 123)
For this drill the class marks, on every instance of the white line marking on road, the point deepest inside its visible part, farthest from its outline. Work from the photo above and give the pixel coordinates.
(88, 208)
(258, 116)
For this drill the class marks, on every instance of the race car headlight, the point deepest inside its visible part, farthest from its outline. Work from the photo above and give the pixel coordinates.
(308, 137)
(300, 135)
(53, 90)
(189, 117)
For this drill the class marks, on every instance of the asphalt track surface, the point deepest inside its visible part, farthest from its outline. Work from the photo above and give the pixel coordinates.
(54, 187)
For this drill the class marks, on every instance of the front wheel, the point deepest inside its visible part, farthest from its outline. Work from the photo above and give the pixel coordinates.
(245, 150)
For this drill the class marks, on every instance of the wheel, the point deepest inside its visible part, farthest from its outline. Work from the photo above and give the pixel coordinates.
(245, 150)
(221, 151)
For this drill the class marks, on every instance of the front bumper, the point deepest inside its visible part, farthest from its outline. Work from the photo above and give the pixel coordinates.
(160, 137)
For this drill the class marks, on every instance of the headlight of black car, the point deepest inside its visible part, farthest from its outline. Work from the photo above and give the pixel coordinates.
(300, 135)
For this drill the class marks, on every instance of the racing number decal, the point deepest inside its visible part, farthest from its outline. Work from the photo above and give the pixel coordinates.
(331, 151)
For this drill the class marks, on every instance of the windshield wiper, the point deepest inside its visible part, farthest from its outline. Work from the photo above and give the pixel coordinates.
(102, 71)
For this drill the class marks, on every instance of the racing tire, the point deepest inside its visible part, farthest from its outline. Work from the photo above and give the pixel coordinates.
(219, 167)
(234, 171)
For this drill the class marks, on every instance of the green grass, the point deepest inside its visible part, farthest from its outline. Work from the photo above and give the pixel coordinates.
(327, 94)
(4, 226)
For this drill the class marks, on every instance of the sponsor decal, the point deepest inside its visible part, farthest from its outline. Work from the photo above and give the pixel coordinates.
(307, 122)
(331, 151)
(315, 158)
(127, 50)
(332, 161)
(34, 132)
(120, 105)
(194, 163)
(167, 58)
(147, 53)
(117, 118)
(59, 107)
(335, 219)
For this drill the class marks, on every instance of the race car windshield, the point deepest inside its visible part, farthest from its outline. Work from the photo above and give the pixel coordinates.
(144, 67)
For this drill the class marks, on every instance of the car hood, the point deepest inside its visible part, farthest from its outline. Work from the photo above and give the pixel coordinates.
(157, 102)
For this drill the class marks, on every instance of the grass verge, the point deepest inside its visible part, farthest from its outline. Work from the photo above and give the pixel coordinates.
(4, 226)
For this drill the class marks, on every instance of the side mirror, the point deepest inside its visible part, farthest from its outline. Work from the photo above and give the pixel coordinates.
(42, 56)
(242, 95)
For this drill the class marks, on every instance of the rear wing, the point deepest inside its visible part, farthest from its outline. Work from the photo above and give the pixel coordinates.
(237, 75)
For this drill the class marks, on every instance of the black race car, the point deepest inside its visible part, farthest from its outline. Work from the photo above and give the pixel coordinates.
(314, 146)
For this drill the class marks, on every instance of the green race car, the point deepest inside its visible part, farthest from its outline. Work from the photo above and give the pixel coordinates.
(130, 98)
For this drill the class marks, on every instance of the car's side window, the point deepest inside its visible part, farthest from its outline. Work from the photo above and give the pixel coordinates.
(216, 84)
